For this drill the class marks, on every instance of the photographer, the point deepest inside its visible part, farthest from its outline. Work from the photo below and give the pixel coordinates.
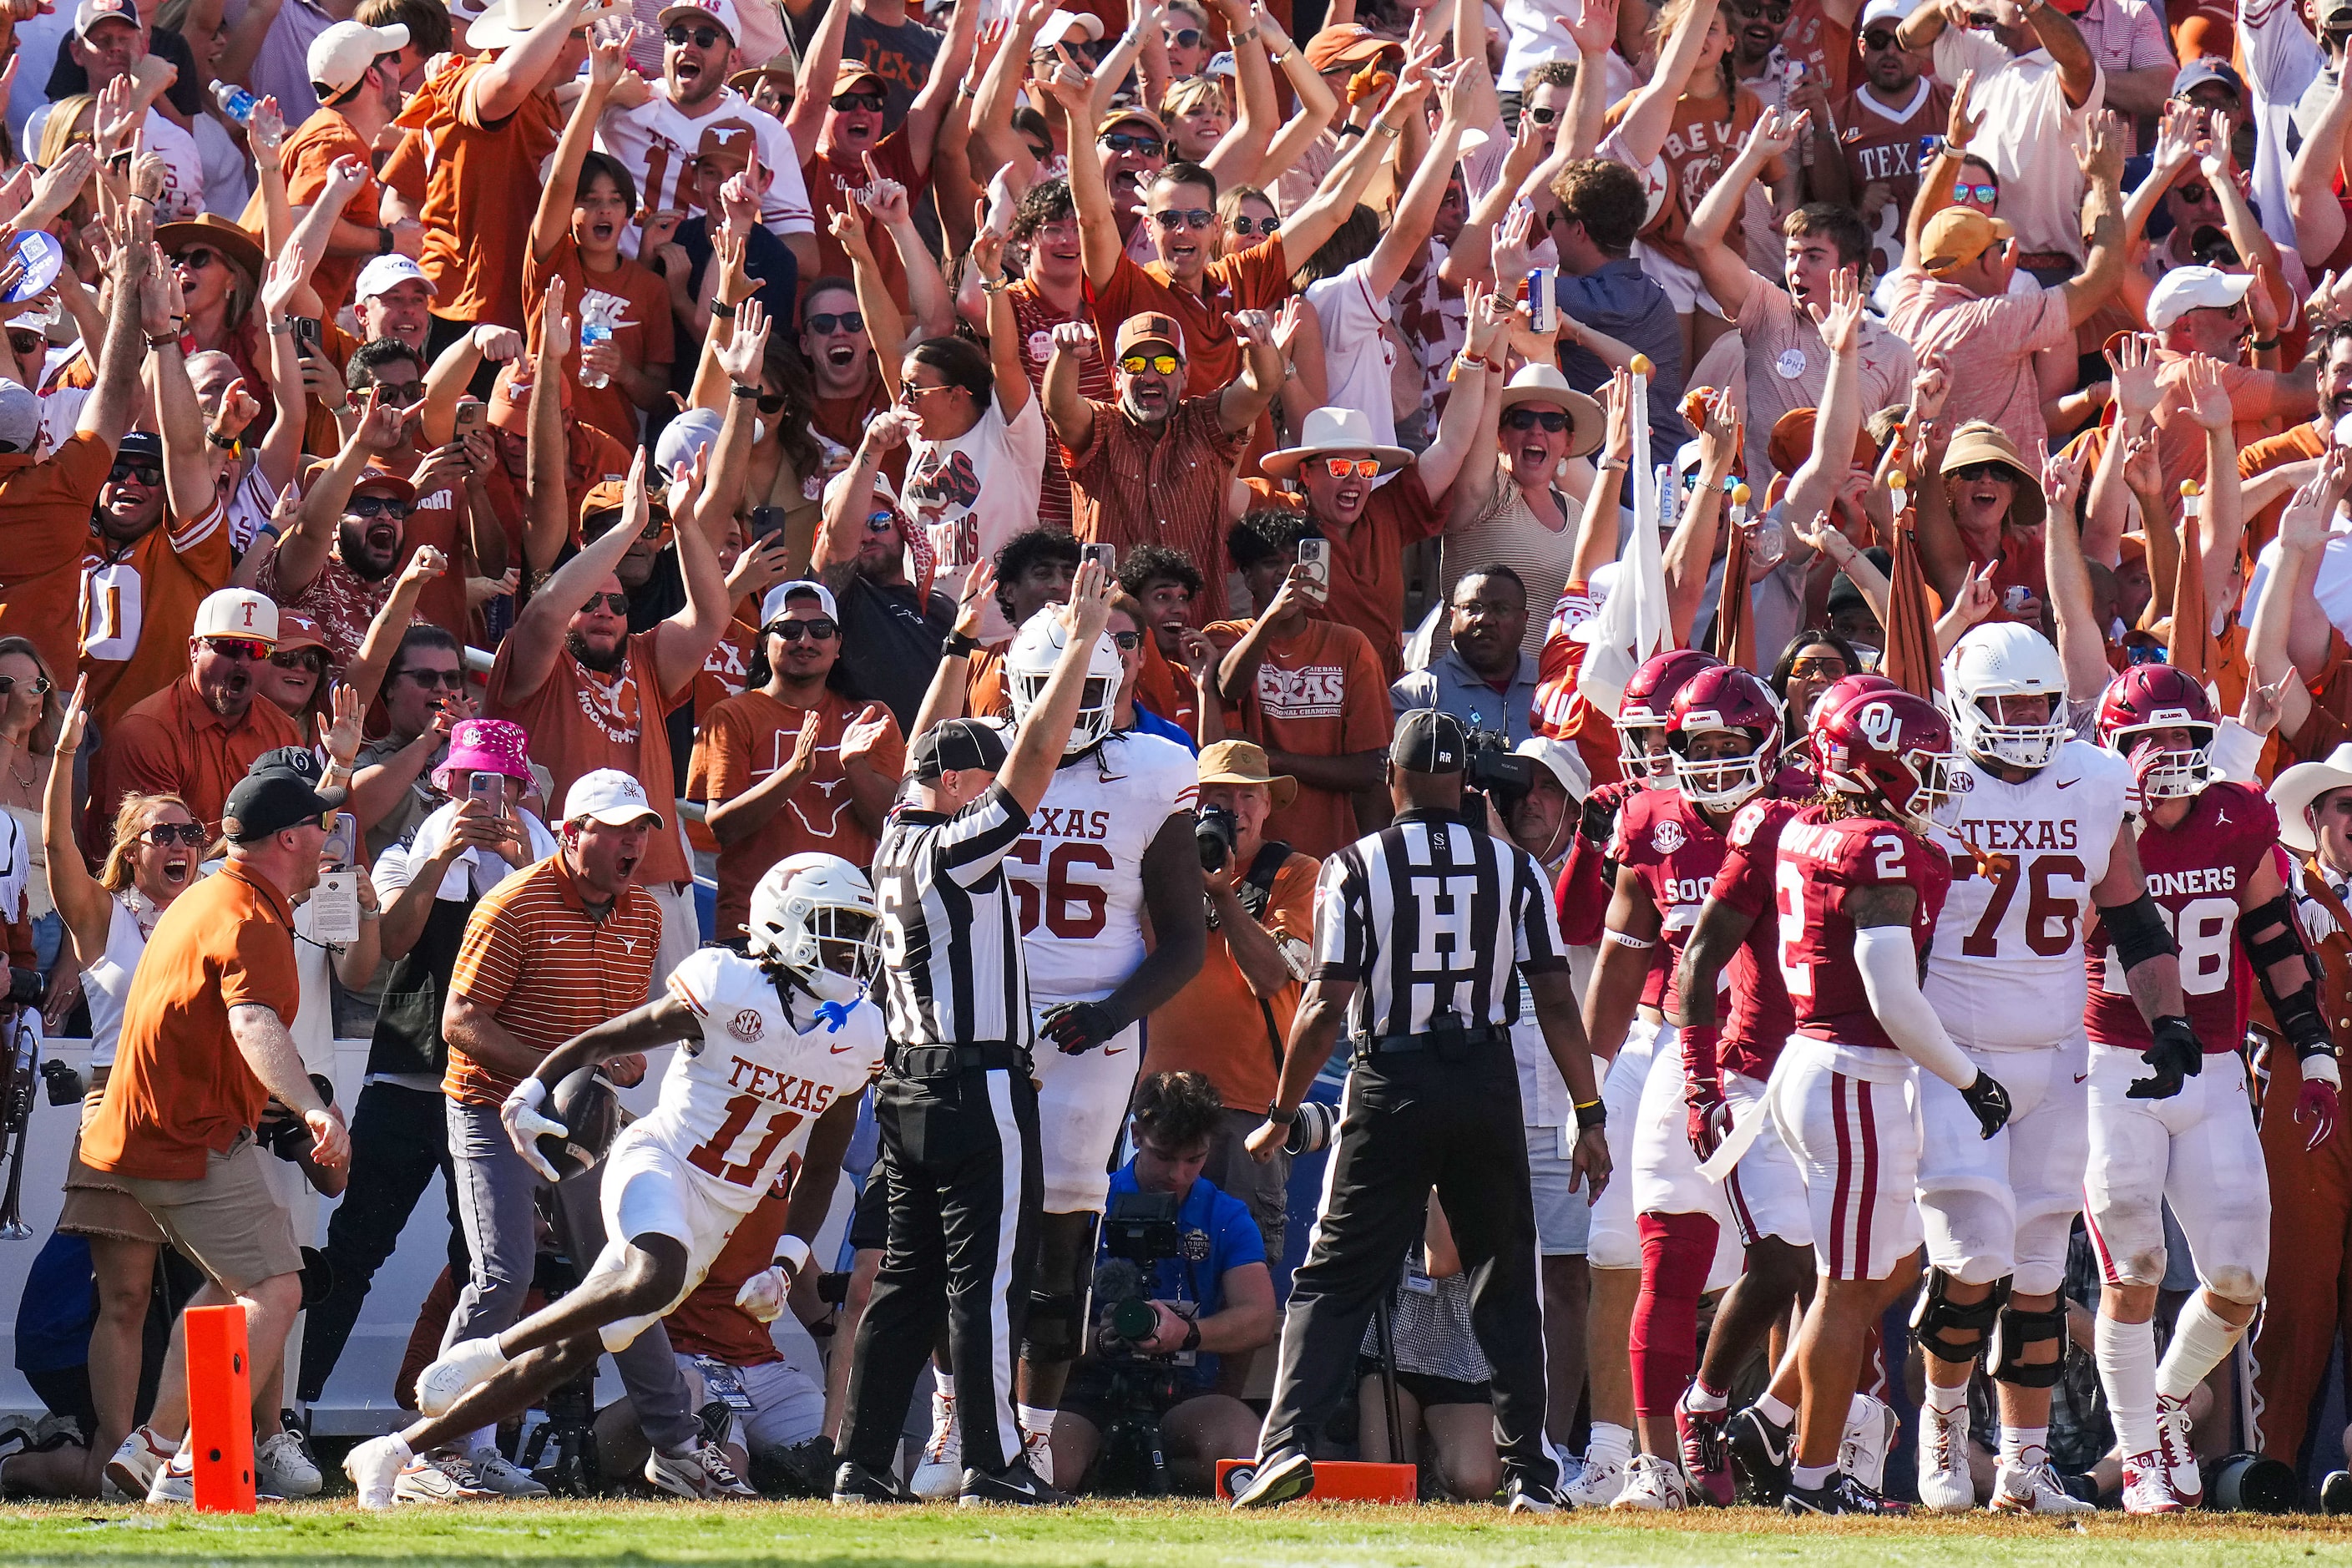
(1228, 1022)
(1213, 1297)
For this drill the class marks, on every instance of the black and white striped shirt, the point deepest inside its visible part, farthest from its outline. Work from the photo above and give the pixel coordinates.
(950, 947)
(1430, 917)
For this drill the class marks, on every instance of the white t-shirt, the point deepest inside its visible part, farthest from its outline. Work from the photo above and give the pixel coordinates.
(1358, 358)
(183, 162)
(2030, 135)
(657, 142)
(975, 492)
(227, 186)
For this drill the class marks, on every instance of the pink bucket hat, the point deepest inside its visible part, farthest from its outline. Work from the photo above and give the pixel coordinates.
(485, 745)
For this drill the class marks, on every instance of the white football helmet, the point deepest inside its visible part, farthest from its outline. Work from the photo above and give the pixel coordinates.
(2006, 659)
(1029, 664)
(808, 900)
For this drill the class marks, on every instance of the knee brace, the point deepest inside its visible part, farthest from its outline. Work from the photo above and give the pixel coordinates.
(2016, 1330)
(1935, 1319)
(1054, 1329)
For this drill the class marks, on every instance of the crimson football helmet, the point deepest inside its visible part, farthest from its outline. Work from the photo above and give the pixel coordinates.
(1891, 748)
(2151, 697)
(1647, 707)
(1732, 701)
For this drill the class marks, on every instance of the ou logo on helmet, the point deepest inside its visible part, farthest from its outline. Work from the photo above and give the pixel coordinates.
(1877, 721)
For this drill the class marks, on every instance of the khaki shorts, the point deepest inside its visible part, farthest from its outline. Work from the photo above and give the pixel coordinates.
(226, 1221)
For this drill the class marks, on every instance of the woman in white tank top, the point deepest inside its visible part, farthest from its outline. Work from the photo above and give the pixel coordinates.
(154, 858)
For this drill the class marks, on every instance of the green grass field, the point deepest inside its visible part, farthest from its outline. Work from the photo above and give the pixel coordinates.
(1194, 1535)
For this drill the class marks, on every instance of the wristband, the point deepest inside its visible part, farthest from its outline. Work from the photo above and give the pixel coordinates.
(164, 341)
(2265, 345)
(532, 1091)
(383, 242)
(226, 443)
(1279, 1117)
(741, 391)
(955, 645)
(1385, 129)
(1625, 939)
(283, 326)
(1590, 1115)
(793, 1252)
(1349, 131)
(722, 310)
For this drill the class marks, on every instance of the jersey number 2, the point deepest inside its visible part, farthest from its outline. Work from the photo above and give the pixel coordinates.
(710, 1157)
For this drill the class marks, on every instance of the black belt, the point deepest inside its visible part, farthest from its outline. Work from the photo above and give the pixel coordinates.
(1443, 1041)
(939, 1061)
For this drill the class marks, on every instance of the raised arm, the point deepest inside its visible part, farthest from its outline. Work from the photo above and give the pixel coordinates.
(818, 68)
(1067, 412)
(1837, 424)
(537, 638)
(1725, 270)
(86, 905)
(1004, 338)
(2078, 73)
(188, 487)
(2221, 525)
(1315, 103)
(107, 412)
(608, 56)
(1417, 213)
(1264, 339)
(834, 558)
(1459, 434)
(1036, 750)
(506, 84)
(1642, 131)
(1319, 217)
(682, 642)
(1098, 242)
(930, 105)
(2279, 644)
(1935, 182)
(2103, 165)
(2082, 646)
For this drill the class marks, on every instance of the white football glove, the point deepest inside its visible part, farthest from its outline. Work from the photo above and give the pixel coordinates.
(525, 1126)
(763, 1295)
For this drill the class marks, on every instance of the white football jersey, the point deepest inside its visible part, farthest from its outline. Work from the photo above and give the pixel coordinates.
(1078, 873)
(741, 1106)
(2006, 969)
(657, 145)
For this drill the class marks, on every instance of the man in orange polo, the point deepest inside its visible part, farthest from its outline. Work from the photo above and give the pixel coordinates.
(204, 1047)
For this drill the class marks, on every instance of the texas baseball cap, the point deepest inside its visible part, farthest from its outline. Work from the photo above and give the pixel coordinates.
(386, 273)
(296, 630)
(283, 789)
(955, 745)
(2187, 289)
(238, 613)
(342, 55)
(610, 796)
(2206, 68)
(1429, 741)
(1150, 327)
(780, 597)
(1957, 236)
(1068, 26)
(722, 12)
(1348, 43)
(849, 73)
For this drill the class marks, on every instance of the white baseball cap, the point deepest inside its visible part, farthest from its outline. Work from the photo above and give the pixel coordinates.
(1068, 26)
(1895, 11)
(384, 273)
(2187, 289)
(238, 613)
(719, 11)
(342, 55)
(610, 796)
(773, 607)
(20, 417)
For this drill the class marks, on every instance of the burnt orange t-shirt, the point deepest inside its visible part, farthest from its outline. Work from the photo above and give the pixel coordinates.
(1216, 1026)
(709, 1323)
(2295, 444)
(743, 740)
(45, 506)
(1703, 137)
(482, 193)
(1368, 564)
(644, 336)
(180, 1088)
(829, 185)
(547, 969)
(1254, 279)
(579, 720)
(173, 744)
(139, 605)
(309, 155)
(1319, 692)
(590, 457)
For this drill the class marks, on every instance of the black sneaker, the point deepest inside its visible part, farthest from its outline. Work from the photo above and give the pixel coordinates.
(1843, 1494)
(1762, 1450)
(1521, 1495)
(1015, 1486)
(1286, 1474)
(855, 1483)
(2336, 1492)
(804, 1469)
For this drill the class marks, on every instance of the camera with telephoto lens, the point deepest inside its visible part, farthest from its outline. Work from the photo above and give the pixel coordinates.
(1214, 829)
(66, 1086)
(1311, 1129)
(1139, 1232)
(283, 1132)
(1495, 778)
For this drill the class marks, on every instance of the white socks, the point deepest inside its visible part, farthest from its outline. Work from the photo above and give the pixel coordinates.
(1609, 1442)
(2025, 1447)
(1950, 1403)
(943, 1382)
(1705, 1399)
(2126, 1358)
(1774, 1411)
(2201, 1338)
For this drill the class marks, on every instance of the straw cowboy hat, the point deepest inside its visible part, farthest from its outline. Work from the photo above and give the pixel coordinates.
(1543, 384)
(2300, 785)
(1332, 430)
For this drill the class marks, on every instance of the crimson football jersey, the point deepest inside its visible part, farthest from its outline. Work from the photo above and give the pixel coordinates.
(2196, 872)
(1666, 841)
(1821, 866)
(1761, 1018)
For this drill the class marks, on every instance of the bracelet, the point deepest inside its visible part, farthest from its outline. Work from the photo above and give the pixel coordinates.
(383, 241)
(956, 645)
(1277, 59)
(164, 340)
(1611, 465)
(1279, 1117)
(283, 326)
(1002, 282)
(741, 391)
(1469, 360)
(722, 310)
(1381, 125)
(1626, 938)
(2265, 346)
(274, 531)
(1248, 38)
(1349, 131)
(226, 443)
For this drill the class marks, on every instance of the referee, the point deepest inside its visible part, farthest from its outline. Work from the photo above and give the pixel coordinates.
(955, 1108)
(1417, 931)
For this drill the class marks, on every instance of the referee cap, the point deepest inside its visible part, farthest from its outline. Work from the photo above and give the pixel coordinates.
(955, 745)
(1429, 741)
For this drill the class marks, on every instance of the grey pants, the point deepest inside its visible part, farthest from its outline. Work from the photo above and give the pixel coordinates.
(494, 1203)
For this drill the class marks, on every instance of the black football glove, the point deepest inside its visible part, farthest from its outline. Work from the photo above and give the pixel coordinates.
(1599, 821)
(1076, 1026)
(2175, 1055)
(1989, 1102)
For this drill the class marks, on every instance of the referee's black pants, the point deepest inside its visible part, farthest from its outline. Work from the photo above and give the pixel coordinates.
(1409, 1122)
(965, 1186)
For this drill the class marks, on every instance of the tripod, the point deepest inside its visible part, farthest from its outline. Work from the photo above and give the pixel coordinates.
(562, 1450)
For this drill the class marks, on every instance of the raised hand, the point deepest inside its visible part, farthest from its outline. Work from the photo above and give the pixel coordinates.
(1961, 127)
(264, 130)
(1077, 339)
(741, 356)
(238, 409)
(2133, 365)
(2101, 156)
(1929, 385)
(424, 565)
(608, 52)
(341, 735)
(284, 278)
(2310, 514)
(2209, 402)
(1593, 25)
(1514, 239)
(1773, 135)
(1841, 323)
(1619, 404)
(2062, 480)
(979, 592)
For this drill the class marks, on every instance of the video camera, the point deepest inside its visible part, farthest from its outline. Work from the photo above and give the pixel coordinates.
(1494, 777)
(1139, 1232)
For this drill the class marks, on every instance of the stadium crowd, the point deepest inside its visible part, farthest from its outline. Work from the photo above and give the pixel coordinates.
(492, 498)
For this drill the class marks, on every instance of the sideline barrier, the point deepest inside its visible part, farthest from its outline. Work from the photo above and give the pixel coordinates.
(220, 1409)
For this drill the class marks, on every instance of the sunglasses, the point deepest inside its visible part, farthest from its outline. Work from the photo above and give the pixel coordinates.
(1878, 39)
(401, 393)
(42, 685)
(1263, 228)
(163, 835)
(850, 102)
(251, 650)
(1975, 471)
(772, 403)
(308, 658)
(1542, 114)
(1776, 14)
(195, 258)
(1818, 668)
(1128, 641)
(1126, 142)
(1551, 419)
(379, 506)
(1136, 365)
(880, 521)
(909, 391)
(2193, 195)
(1185, 38)
(2154, 653)
(701, 39)
(149, 474)
(1361, 468)
(447, 680)
(1175, 218)
(1988, 194)
(821, 629)
(829, 322)
(618, 603)
(25, 343)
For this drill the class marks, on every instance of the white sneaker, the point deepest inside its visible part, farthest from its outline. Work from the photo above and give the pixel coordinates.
(1944, 1484)
(1037, 1449)
(175, 1482)
(1653, 1482)
(280, 1465)
(453, 1372)
(938, 1475)
(443, 1476)
(1598, 1481)
(493, 1471)
(1869, 1433)
(2145, 1490)
(373, 1466)
(2181, 1475)
(702, 1475)
(2033, 1489)
(138, 1461)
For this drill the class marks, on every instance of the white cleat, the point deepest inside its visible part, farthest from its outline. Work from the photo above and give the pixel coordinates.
(938, 1475)
(2145, 1490)
(2033, 1489)
(1869, 1434)
(445, 1476)
(136, 1464)
(1597, 1482)
(455, 1370)
(374, 1466)
(1654, 1483)
(1944, 1484)
(2181, 1472)
(280, 1465)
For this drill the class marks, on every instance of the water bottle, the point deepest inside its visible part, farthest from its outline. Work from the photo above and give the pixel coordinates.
(235, 101)
(597, 312)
